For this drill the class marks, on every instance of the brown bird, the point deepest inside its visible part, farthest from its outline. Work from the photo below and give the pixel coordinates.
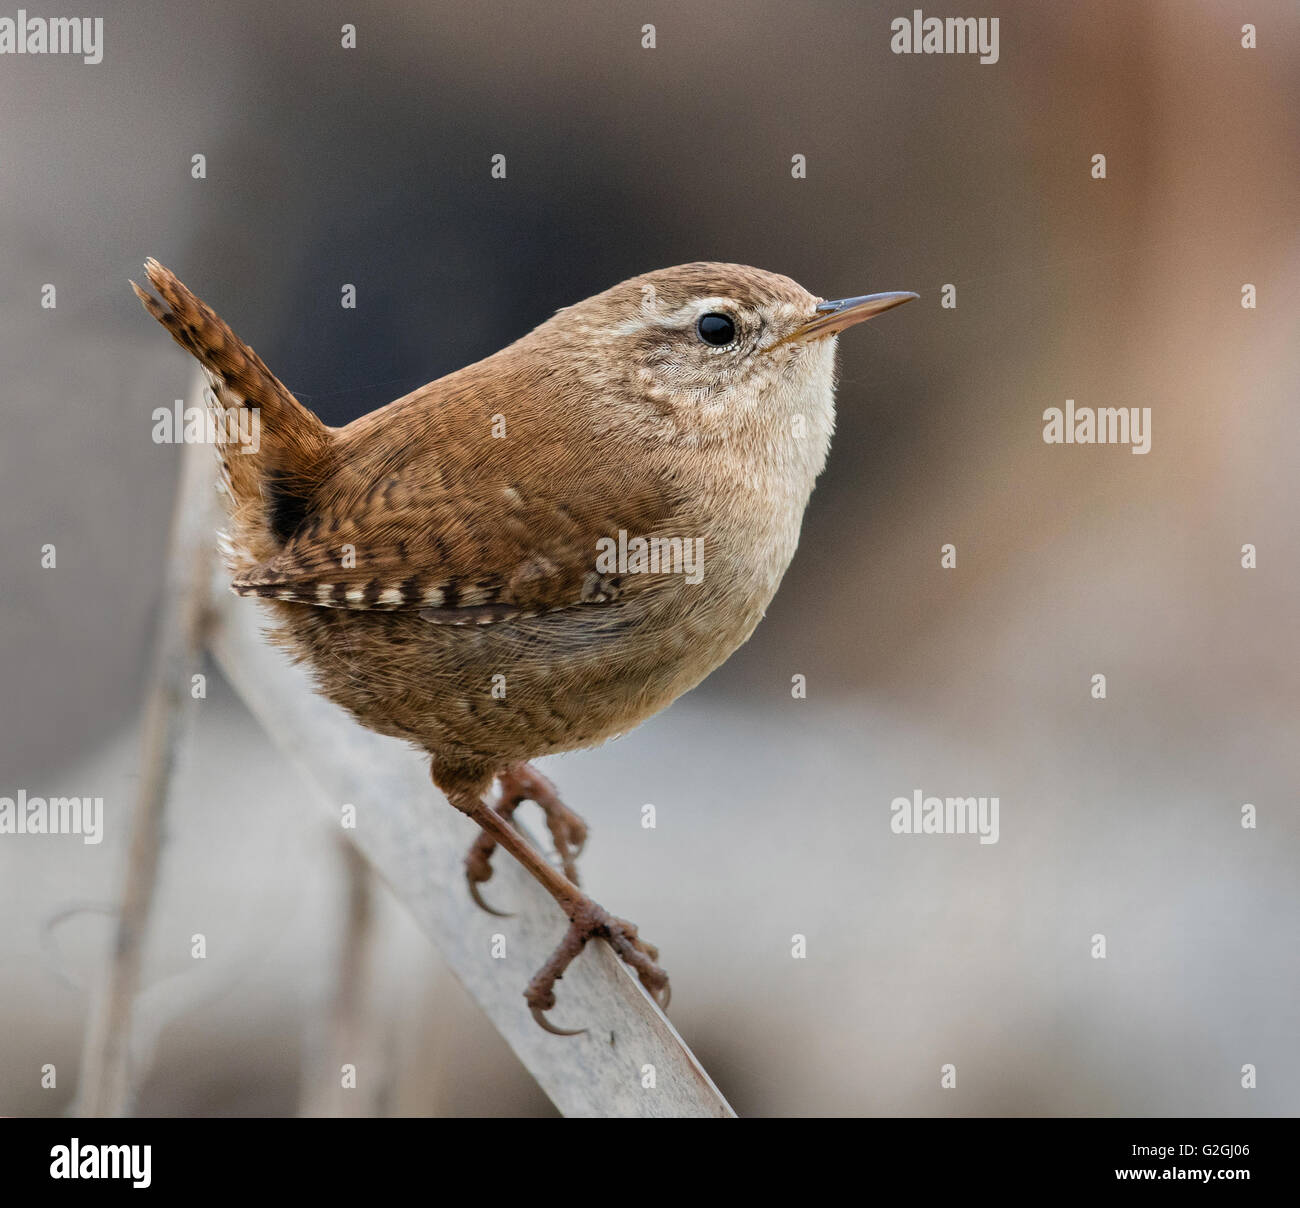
(536, 552)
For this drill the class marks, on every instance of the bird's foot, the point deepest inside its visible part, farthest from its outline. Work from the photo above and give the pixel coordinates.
(589, 921)
(523, 782)
(519, 783)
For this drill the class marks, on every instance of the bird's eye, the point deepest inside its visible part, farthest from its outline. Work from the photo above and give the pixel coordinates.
(716, 329)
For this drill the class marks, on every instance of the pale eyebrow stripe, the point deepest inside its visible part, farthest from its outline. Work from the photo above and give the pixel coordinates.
(678, 317)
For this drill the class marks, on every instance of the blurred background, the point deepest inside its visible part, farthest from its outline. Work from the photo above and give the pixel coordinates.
(371, 166)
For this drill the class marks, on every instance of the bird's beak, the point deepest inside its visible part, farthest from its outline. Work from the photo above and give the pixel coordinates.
(832, 317)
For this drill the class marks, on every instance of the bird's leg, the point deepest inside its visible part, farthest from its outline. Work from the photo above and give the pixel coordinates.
(519, 783)
(478, 863)
(587, 919)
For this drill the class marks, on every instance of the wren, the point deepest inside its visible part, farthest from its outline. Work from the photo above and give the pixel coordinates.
(492, 567)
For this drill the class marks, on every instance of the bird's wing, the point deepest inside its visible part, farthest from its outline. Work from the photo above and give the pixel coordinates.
(473, 547)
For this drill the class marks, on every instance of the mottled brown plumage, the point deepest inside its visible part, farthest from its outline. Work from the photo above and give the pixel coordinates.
(436, 562)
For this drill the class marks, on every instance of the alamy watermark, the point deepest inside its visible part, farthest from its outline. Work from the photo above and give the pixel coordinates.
(922, 35)
(1098, 426)
(210, 425)
(651, 556)
(86, 1160)
(24, 815)
(921, 815)
(24, 35)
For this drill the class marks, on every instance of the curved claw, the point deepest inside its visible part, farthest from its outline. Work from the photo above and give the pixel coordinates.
(664, 997)
(546, 1025)
(482, 905)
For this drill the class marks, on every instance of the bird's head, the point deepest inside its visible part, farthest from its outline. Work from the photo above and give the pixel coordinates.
(711, 353)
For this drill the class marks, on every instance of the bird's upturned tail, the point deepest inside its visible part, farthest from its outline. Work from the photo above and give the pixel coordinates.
(274, 452)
